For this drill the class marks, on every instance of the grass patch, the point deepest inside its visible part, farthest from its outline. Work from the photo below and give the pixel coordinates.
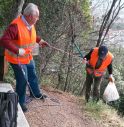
(105, 114)
(95, 108)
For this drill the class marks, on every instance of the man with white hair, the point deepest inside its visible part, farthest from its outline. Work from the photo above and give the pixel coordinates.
(18, 40)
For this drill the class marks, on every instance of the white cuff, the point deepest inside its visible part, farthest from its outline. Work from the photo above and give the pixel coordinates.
(21, 51)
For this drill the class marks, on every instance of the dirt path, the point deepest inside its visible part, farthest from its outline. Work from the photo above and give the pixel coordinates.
(60, 110)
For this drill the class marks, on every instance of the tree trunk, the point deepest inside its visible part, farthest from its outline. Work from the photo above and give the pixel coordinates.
(20, 4)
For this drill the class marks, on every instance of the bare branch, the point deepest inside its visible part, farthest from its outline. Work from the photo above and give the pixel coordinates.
(107, 22)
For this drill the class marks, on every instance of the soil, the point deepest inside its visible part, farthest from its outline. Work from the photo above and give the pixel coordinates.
(60, 109)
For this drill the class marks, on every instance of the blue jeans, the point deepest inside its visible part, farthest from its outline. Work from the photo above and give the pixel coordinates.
(29, 76)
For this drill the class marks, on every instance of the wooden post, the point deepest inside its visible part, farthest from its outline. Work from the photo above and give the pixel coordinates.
(1, 68)
(3, 64)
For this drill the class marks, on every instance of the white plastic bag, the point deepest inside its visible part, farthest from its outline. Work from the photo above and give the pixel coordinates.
(111, 93)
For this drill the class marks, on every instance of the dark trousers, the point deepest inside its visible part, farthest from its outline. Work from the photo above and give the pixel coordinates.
(96, 81)
(30, 76)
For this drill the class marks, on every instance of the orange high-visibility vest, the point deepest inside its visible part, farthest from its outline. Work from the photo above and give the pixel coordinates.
(93, 60)
(26, 39)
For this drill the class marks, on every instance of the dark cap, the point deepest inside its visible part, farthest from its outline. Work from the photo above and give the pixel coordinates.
(103, 50)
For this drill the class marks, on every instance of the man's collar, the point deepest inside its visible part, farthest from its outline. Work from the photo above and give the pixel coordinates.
(26, 23)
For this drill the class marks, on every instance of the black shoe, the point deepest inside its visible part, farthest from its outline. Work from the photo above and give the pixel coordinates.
(40, 96)
(43, 96)
(24, 108)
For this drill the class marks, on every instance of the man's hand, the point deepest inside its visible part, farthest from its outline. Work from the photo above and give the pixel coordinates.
(43, 43)
(23, 52)
(111, 78)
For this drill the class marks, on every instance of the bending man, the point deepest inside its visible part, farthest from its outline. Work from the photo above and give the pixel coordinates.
(98, 60)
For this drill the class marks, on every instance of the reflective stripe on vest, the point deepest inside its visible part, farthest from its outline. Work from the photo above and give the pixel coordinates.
(95, 72)
(92, 62)
(26, 39)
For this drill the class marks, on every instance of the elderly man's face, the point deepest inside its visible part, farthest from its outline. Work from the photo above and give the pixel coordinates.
(33, 19)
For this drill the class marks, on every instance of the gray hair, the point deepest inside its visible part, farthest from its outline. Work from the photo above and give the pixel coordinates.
(31, 9)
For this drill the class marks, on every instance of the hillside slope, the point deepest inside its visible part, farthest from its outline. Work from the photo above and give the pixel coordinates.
(59, 110)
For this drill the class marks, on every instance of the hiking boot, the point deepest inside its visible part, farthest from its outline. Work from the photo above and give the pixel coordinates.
(24, 108)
